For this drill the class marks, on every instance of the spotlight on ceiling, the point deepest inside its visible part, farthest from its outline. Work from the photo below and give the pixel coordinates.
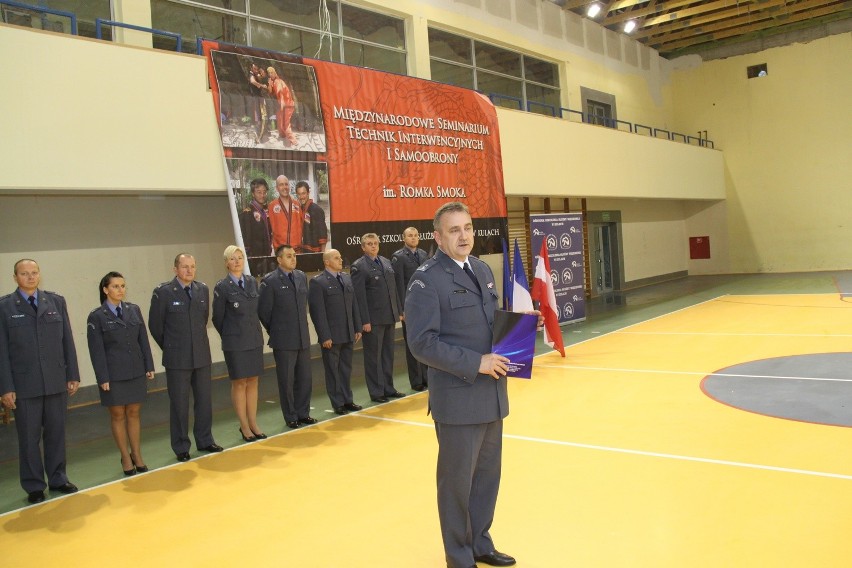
(594, 10)
(629, 26)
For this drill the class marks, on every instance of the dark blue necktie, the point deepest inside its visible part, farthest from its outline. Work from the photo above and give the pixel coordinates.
(472, 276)
(32, 302)
(118, 312)
(188, 293)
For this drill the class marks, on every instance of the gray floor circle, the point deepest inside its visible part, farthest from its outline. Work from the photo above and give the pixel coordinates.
(813, 388)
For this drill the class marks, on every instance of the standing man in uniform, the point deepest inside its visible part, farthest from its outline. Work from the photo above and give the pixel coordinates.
(38, 372)
(450, 307)
(336, 318)
(375, 291)
(314, 231)
(257, 233)
(405, 261)
(285, 216)
(283, 311)
(177, 319)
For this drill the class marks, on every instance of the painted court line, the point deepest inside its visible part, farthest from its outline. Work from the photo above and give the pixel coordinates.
(736, 334)
(640, 452)
(696, 373)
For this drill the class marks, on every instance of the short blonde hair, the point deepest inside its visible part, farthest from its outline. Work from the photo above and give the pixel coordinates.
(229, 252)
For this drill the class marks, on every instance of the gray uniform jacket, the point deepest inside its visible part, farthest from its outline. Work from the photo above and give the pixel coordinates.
(375, 290)
(404, 267)
(179, 325)
(283, 313)
(334, 310)
(119, 348)
(235, 314)
(37, 354)
(449, 329)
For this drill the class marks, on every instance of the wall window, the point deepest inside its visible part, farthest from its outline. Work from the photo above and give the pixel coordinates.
(353, 35)
(87, 11)
(518, 79)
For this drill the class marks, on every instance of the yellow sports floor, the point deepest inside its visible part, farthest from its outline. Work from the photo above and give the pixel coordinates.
(613, 457)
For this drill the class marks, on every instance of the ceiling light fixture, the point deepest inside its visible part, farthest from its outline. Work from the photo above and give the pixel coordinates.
(594, 10)
(629, 26)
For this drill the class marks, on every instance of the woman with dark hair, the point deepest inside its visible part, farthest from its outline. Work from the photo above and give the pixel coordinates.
(235, 300)
(121, 357)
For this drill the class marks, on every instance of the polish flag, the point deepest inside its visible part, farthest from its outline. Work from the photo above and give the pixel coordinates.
(543, 293)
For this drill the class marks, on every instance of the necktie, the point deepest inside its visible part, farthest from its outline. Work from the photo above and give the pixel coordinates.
(118, 312)
(340, 281)
(241, 285)
(472, 276)
(379, 263)
(31, 300)
(290, 276)
(188, 294)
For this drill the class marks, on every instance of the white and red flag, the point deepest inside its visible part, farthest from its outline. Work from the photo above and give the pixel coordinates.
(543, 293)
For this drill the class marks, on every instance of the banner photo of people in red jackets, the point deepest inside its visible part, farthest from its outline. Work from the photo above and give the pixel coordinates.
(320, 153)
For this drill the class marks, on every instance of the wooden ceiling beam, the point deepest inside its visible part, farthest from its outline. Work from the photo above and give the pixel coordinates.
(695, 24)
(702, 8)
(652, 8)
(771, 22)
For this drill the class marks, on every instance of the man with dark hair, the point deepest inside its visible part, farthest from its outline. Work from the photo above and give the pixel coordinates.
(378, 304)
(449, 307)
(314, 230)
(38, 372)
(405, 262)
(177, 319)
(254, 222)
(283, 311)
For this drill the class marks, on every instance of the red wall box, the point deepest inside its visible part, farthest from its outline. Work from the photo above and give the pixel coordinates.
(699, 247)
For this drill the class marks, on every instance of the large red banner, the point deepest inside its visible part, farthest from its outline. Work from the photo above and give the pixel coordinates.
(378, 152)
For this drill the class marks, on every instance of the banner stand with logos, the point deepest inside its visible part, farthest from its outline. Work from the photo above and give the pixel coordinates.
(563, 233)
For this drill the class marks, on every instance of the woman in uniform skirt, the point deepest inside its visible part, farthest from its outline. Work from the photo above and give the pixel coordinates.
(235, 318)
(121, 358)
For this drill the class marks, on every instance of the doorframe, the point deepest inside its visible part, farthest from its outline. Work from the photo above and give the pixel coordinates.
(613, 220)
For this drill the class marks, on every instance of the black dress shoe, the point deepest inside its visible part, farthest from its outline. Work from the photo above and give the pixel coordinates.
(395, 394)
(35, 497)
(419, 388)
(495, 559)
(214, 447)
(341, 411)
(306, 421)
(352, 406)
(378, 399)
(66, 488)
(260, 436)
(293, 424)
(128, 472)
(183, 457)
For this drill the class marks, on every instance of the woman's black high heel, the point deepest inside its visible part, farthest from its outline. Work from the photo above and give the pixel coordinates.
(139, 468)
(246, 438)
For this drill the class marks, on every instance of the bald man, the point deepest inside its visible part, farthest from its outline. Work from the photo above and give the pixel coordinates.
(285, 217)
(334, 311)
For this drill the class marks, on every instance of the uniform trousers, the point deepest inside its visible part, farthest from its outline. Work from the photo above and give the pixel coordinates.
(416, 369)
(36, 419)
(378, 360)
(468, 475)
(293, 370)
(179, 382)
(337, 363)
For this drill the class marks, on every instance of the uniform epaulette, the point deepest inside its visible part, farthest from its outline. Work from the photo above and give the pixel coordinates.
(427, 264)
(99, 308)
(52, 293)
(6, 296)
(164, 284)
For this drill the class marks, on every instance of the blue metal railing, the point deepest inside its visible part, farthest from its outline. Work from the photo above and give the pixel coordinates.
(62, 13)
(497, 99)
(99, 23)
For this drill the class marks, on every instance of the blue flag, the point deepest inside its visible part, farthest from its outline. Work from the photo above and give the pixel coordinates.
(521, 300)
(507, 279)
